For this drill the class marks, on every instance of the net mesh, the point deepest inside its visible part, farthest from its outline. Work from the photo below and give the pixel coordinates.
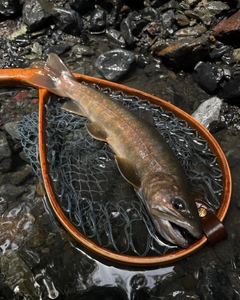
(89, 187)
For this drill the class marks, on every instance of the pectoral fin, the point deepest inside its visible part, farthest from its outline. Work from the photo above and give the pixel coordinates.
(128, 171)
(73, 107)
(96, 130)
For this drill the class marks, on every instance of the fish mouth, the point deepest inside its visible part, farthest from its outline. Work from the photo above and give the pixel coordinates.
(175, 228)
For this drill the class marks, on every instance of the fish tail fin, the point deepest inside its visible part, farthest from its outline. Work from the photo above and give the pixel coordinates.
(51, 76)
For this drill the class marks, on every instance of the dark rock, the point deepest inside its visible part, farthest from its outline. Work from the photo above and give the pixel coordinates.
(126, 31)
(194, 31)
(9, 9)
(217, 7)
(112, 65)
(181, 19)
(228, 30)
(115, 36)
(82, 50)
(5, 154)
(132, 26)
(208, 76)
(59, 49)
(36, 14)
(98, 20)
(68, 20)
(219, 51)
(3, 205)
(214, 284)
(168, 19)
(185, 53)
(172, 4)
(11, 192)
(150, 14)
(82, 6)
(18, 177)
(231, 90)
(151, 70)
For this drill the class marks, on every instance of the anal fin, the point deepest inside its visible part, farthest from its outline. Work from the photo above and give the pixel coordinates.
(73, 107)
(128, 171)
(96, 130)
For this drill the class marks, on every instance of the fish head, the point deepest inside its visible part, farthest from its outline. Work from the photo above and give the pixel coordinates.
(172, 208)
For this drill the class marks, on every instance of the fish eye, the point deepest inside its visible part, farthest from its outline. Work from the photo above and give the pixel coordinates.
(178, 203)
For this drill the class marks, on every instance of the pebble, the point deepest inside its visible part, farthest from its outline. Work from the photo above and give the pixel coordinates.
(67, 20)
(231, 90)
(114, 64)
(194, 31)
(36, 14)
(10, 127)
(82, 50)
(18, 177)
(208, 76)
(217, 7)
(5, 154)
(98, 20)
(208, 111)
(180, 55)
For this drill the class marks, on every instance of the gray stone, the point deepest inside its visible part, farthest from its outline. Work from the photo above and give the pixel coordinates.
(5, 154)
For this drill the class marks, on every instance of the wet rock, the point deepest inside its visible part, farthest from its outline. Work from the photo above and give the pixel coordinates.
(217, 7)
(228, 30)
(167, 20)
(172, 4)
(10, 127)
(132, 26)
(36, 14)
(9, 191)
(208, 76)
(5, 154)
(181, 19)
(67, 20)
(18, 177)
(116, 37)
(98, 21)
(204, 15)
(82, 50)
(185, 53)
(59, 49)
(112, 65)
(194, 31)
(18, 275)
(36, 239)
(208, 111)
(231, 90)
(214, 284)
(82, 6)
(149, 14)
(219, 51)
(9, 9)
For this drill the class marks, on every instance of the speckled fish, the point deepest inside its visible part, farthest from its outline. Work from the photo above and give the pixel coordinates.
(143, 157)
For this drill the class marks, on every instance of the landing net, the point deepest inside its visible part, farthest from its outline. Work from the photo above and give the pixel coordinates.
(90, 189)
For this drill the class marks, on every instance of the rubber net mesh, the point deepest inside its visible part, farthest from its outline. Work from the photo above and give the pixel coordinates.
(89, 187)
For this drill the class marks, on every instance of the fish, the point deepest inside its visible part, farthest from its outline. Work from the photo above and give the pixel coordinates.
(143, 157)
